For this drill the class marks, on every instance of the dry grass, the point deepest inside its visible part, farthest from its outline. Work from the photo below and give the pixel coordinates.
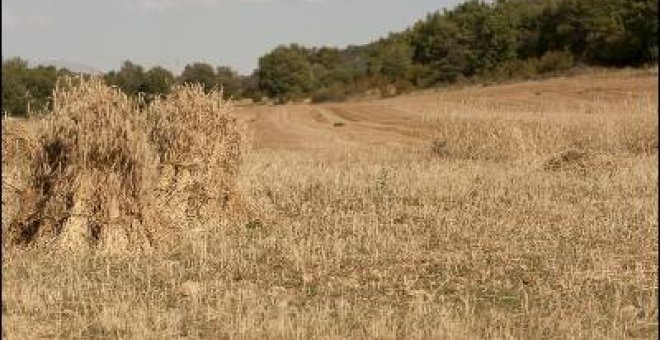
(548, 233)
(102, 171)
(495, 132)
(17, 145)
(200, 144)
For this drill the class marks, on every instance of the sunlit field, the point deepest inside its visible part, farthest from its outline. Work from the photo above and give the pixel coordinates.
(525, 211)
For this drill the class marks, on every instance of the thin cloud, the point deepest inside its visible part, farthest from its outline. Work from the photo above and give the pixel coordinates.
(161, 5)
(9, 20)
(12, 20)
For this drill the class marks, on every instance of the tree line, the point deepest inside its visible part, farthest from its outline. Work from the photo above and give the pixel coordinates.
(27, 88)
(476, 40)
(498, 40)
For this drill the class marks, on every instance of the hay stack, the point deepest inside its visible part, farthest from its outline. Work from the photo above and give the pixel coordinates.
(18, 145)
(198, 141)
(102, 164)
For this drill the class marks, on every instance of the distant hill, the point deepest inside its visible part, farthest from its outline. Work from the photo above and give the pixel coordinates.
(71, 66)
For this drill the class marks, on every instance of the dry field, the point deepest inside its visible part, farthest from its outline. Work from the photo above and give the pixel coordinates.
(519, 211)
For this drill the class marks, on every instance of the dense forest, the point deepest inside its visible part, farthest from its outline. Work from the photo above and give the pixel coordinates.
(476, 41)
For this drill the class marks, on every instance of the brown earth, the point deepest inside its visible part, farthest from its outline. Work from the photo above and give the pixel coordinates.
(400, 121)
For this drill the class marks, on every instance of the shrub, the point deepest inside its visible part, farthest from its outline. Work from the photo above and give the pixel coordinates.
(329, 94)
(554, 61)
(519, 69)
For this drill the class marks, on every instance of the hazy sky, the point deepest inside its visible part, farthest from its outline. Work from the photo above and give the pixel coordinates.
(173, 33)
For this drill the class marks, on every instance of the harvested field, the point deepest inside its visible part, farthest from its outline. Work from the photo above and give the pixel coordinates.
(412, 119)
(524, 211)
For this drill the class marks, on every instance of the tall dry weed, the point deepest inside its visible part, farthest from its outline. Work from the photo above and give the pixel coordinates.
(90, 174)
(198, 142)
(17, 148)
(494, 135)
(101, 164)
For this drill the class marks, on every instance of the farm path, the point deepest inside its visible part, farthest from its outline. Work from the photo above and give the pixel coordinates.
(404, 120)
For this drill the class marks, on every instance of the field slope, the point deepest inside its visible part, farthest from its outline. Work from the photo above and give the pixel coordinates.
(401, 121)
(525, 210)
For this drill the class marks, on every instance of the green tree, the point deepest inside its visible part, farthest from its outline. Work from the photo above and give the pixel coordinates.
(130, 78)
(328, 57)
(133, 80)
(158, 81)
(14, 89)
(285, 73)
(200, 73)
(391, 58)
(641, 19)
(250, 86)
(436, 43)
(40, 81)
(230, 81)
(622, 34)
(24, 87)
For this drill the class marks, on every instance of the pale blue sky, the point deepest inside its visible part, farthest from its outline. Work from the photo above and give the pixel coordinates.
(173, 33)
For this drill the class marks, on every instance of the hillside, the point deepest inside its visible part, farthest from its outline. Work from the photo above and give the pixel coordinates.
(519, 211)
(401, 121)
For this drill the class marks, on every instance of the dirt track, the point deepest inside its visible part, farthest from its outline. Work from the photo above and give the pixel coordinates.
(400, 121)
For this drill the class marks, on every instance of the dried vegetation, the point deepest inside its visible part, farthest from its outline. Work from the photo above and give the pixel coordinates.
(523, 220)
(101, 171)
